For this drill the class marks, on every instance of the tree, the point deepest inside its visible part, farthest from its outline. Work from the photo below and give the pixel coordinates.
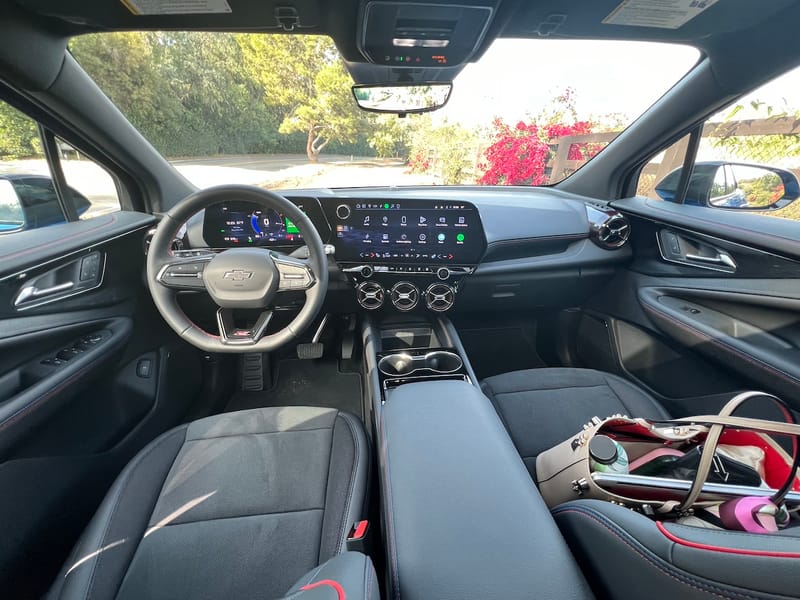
(389, 136)
(306, 77)
(19, 135)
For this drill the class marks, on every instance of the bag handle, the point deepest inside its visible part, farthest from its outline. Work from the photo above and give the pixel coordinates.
(725, 419)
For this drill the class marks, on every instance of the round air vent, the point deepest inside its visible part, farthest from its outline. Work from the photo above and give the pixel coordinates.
(614, 232)
(440, 297)
(370, 295)
(405, 296)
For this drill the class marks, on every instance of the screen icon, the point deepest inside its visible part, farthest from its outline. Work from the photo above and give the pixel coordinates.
(423, 221)
(385, 220)
(422, 237)
(441, 237)
(460, 237)
(403, 220)
(386, 236)
(366, 221)
(404, 237)
(461, 220)
(443, 220)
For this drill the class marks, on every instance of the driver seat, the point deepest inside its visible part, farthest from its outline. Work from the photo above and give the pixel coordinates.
(238, 505)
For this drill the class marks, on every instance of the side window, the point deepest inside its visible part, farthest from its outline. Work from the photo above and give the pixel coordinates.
(29, 198)
(748, 159)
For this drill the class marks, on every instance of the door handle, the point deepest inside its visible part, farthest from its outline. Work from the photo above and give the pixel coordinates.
(32, 292)
(719, 259)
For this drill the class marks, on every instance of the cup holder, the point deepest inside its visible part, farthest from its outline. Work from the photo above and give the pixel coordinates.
(403, 364)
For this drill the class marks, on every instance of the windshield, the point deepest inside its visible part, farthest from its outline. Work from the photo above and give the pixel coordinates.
(277, 110)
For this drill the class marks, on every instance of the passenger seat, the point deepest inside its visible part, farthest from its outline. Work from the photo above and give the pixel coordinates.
(543, 407)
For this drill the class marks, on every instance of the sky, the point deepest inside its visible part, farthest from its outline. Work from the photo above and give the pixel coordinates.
(519, 77)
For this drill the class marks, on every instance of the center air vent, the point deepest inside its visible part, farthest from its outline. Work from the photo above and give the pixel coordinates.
(370, 295)
(440, 297)
(405, 296)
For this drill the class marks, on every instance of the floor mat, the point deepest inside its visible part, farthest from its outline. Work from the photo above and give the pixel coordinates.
(306, 383)
(497, 350)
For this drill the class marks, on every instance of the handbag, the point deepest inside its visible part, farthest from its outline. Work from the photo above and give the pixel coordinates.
(721, 449)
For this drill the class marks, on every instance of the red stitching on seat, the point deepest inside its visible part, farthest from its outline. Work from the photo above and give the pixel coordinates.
(703, 587)
(683, 542)
(329, 582)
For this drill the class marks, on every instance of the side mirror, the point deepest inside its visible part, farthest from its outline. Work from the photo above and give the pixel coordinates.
(402, 98)
(12, 214)
(739, 186)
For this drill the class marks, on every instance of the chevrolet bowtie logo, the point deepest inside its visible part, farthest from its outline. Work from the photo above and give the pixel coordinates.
(237, 275)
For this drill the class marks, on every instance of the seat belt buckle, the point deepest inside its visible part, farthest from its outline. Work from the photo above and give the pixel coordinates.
(357, 538)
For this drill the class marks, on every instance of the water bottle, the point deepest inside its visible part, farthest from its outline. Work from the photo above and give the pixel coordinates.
(607, 456)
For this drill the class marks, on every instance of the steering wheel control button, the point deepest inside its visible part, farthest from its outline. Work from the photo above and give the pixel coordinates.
(405, 296)
(294, 275)
(343, 212)
(184, 275)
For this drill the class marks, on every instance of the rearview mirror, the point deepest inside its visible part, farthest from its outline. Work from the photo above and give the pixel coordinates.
(740, 186)
(12, 215)
(402, 98)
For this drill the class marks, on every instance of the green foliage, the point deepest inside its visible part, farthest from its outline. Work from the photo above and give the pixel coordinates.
(447, 149)
(390, 136)
(304, 77)
(759, 148)
(19, 135)
(198, 93)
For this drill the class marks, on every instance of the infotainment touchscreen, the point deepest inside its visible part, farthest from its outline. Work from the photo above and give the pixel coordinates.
(413, 231)
(244, 224)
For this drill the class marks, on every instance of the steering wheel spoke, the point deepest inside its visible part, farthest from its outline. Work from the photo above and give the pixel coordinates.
(184, 273)
(236, 336)
(295, 273)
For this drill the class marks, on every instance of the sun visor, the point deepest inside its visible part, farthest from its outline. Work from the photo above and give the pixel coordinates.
(415, 35)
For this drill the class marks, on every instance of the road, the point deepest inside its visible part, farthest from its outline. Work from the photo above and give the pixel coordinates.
(264, 162)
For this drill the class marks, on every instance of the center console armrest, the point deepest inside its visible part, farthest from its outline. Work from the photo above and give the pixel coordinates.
(463, 517)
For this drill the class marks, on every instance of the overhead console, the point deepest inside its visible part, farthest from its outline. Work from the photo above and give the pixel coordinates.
(415, 34)
(406, 253)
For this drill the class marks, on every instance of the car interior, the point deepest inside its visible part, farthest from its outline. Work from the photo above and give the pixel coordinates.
(353, 406)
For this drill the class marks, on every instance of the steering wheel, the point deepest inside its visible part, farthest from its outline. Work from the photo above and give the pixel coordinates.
(236, 278)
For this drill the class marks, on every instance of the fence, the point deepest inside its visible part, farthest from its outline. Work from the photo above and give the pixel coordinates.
(560, 166)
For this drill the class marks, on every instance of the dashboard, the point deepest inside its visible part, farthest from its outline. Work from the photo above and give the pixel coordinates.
(436, 249)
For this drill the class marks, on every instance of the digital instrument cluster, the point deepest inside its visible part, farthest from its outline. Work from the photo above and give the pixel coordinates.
(238, 224)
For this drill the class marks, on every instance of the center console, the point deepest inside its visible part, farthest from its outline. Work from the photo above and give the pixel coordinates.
(463, 518)
(407, 254)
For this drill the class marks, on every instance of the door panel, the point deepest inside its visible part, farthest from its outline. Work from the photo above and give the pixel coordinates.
(88, 375)
(693, 330)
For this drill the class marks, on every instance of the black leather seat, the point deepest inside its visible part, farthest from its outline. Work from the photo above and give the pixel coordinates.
(239, 505)
(543, 407)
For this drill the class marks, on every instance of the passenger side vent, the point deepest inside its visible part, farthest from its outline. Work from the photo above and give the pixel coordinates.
(370, 295)
(609, 229)
(405, 296)
(440, 297)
